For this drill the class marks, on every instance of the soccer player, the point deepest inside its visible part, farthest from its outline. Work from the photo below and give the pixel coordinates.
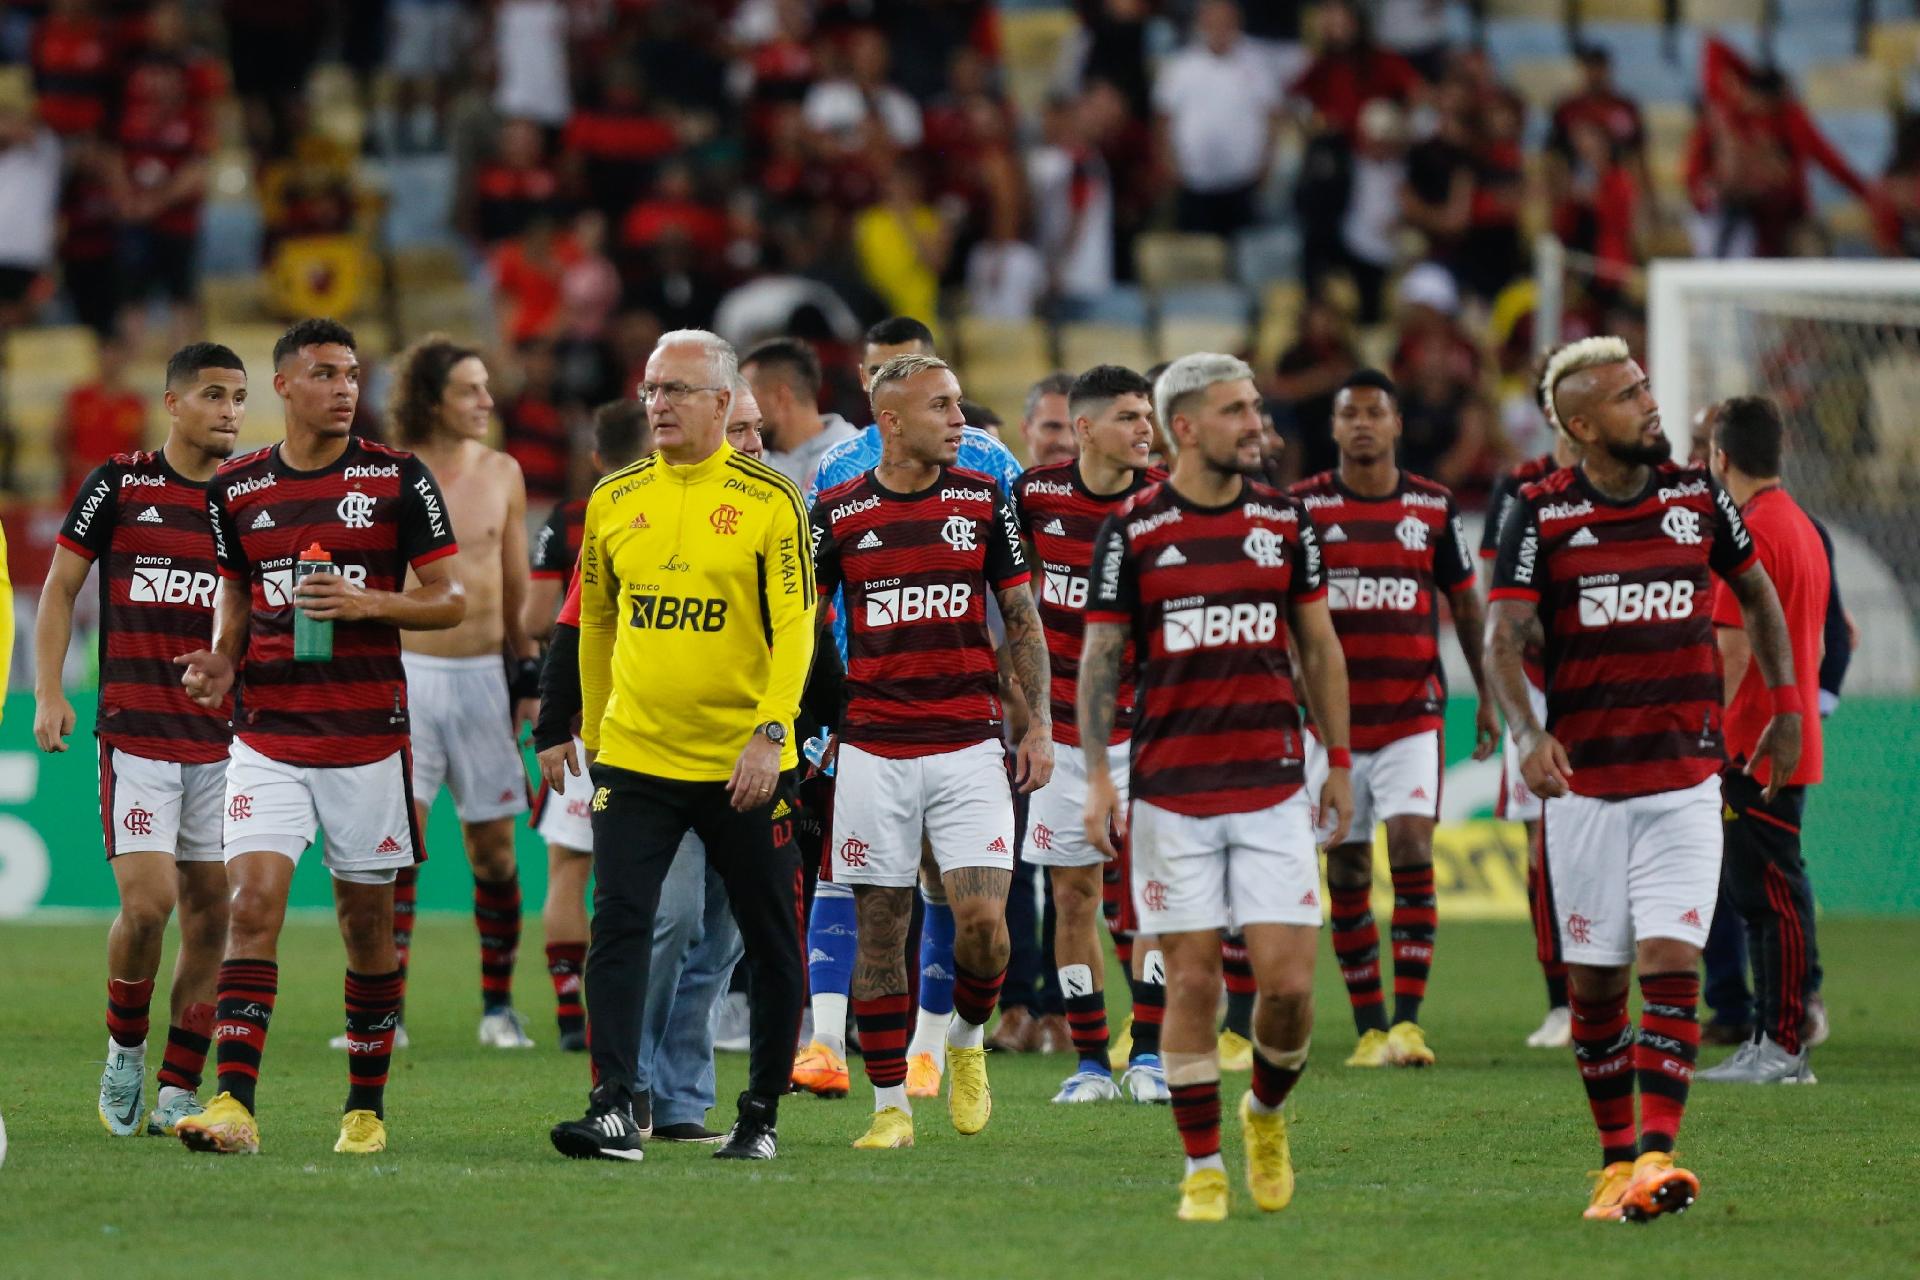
(1392, 545)
(560, 813)
(694, 564)
(820, 1067)
(1610, 560)
(142, 518)
(318, 743)
(1208, 574)
(1765, 876)
(467, 709)
(1061, 506)
(917, 543)
(1517, 803)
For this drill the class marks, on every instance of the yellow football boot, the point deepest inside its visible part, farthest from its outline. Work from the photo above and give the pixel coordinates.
(1236, 1051)
(226, 1128)
(891, 1129)
(1203, 1196)
(1609, 1184)
(1269, 1163)
(1371, 1051)
(923, 1076)
(969, 1096)
(362, 1133)
(1407, 1046)
(1659, 1186)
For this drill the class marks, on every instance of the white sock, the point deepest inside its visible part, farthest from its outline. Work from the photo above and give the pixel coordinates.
(962, 1034)
(893, 1095)
(1207, 1162)
(168, 1092)
(830, 1021)
(1258, 1107)
(137, 1053)
(930, 1035)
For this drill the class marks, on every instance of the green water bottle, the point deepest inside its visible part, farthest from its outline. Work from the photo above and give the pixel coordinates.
(312, 637)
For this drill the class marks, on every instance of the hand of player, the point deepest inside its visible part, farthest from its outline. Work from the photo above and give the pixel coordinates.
(556, 762)
(1544, 766)
(329, 597)
(755, 773)
(1335, 814)
(1486, 730)
(207, 677)
(1779, 746)
(52, 721)
(525, 712)
(1033, 766)
(1105, 817)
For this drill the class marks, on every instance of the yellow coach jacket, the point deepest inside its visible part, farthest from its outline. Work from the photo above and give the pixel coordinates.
(696, 614)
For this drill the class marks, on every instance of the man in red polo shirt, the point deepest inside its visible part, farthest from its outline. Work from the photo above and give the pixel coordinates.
(1764, 876)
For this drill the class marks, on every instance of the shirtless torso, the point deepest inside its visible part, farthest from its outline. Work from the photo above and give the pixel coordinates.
(487, 500)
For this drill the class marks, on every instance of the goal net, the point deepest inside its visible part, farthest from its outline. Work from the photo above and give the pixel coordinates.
(1836, 346)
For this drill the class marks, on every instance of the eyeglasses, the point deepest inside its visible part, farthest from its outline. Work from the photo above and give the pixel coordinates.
(675, 392)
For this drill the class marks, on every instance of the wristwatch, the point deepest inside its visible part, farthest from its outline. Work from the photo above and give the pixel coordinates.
(775, 731)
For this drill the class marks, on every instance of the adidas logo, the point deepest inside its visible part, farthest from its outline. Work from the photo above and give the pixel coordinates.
(1335, 534)
(1692, 917)
(1583, 537)
(1055, 528)
(262, 521)
(639, 522)
(999, 845)
(817, 956)
(867, 543)
(1310, 899)
(389, 845)
(150, 516)
(781, 810)
(936, 972)
(1170, 556)
(1419, 793)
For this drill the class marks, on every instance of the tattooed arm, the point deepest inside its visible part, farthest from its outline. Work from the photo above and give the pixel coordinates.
(1511, 625)
(1100, 656)
(1027, 649)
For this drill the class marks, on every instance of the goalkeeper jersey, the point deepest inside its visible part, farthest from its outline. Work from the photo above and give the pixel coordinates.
(696, 614)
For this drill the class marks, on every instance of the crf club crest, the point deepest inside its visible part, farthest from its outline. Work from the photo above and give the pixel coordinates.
(725, 519)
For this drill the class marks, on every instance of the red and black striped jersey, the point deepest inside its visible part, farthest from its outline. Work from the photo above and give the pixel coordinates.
(556, 548)
(146, 529)
(1387, 561)
(375, 511)
(921, 676)
(1505, 489)
(1632, 671)
(1206, 592)
(1061, 517)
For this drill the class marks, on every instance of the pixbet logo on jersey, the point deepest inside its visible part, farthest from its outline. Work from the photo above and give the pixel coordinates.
(1213, 626)
(896, 605)
(1603, 606)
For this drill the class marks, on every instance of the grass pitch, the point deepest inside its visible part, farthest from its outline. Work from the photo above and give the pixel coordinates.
(1473, 1168)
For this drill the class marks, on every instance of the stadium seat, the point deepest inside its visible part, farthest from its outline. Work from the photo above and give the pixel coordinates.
(1180, 335)
(989, 338)
(1030, 39)
(1090, 343)
(1895, 45)
(1854, 85)
(1171, 259)
(1121, 305)
(1544, 81)
(1262, 255)
(1222, 302)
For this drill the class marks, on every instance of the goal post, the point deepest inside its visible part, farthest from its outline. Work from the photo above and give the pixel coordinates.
(1835, 344)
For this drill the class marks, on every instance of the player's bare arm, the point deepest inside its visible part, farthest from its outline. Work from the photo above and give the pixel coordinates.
(1469, 627)
(1027, 648)
(516, 579)
(1101, 652)
(53, 716)
(1323, 671)
(209, 672)
(1766, 630)
(437, 603)
(1736, 654)
(1511, 626)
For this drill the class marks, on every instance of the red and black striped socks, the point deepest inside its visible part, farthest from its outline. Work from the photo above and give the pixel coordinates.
(1416, 917)
(1149, 1006)
(1664, 1053)
(1236, 971)
(247, 991)
(1086, 1007)
(1356, 945)
(974, 999)
(884, 1022)
(1603, 1046)
(1275, 1072)
(1196, 1114)
(127, 1008)
(496, 911)
(406, 891)
(566, 961)
(373, 1016)
(187, 1045)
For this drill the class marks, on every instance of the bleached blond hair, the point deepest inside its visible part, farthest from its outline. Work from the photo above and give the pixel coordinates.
(1577, 357)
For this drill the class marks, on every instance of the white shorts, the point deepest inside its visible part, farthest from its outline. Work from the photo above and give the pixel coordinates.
(1056, 813)
(565, 817)
(1622, 870)
(366, 811)
(1401, 779)
(159, 806)
(463, 736)
(1225, 872)
(961, 800)
(1517, 801)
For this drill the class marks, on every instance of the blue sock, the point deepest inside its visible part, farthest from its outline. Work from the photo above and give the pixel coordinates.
(1098, 1066)
(936, 958)
(831, 941)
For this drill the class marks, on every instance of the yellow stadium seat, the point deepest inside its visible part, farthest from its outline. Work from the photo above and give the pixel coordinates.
(1030, 39)
(1857, 85)
(1895, 45)
(1170, 259)
(1183, 335)
(1084, 345)
(987, 337)
(1544, 81)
